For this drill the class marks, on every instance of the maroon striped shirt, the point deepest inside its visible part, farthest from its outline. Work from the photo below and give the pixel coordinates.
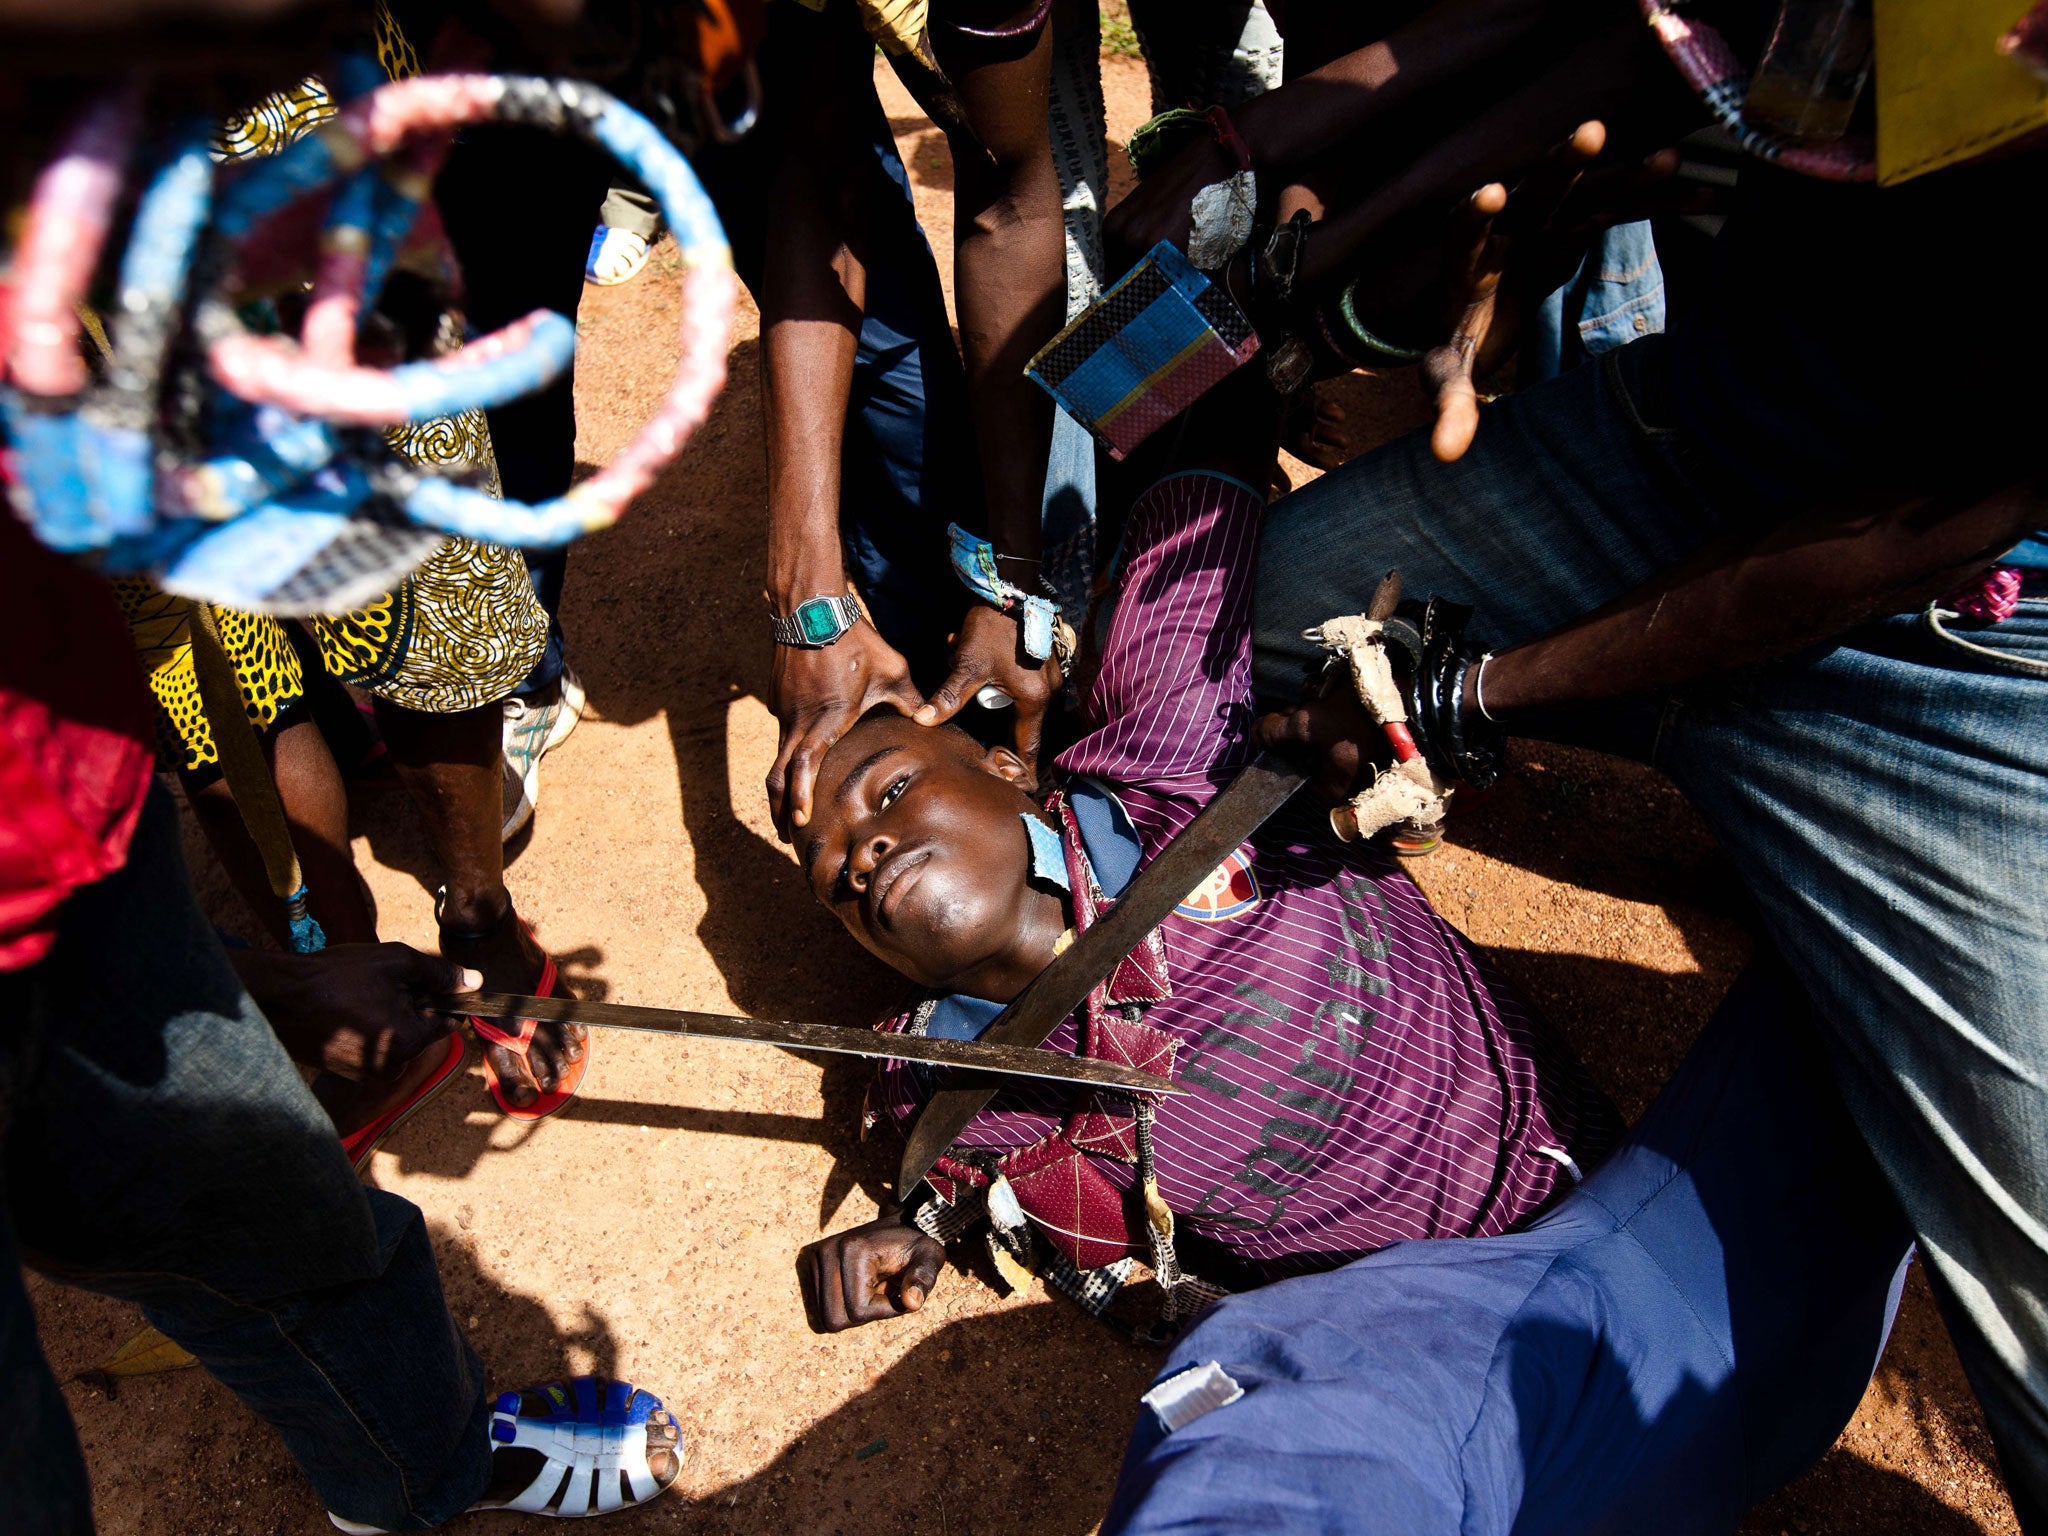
(1357, 1074)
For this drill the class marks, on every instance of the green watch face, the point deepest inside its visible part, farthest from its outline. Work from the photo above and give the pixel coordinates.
(819, 620)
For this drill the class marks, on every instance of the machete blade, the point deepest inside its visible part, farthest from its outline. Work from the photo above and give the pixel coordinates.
(1240, 809)
(974, 1055)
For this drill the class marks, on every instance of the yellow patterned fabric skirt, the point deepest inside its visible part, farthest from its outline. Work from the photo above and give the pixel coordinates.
(459, 632)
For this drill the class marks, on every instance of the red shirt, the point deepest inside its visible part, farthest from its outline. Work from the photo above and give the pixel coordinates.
(75, 739)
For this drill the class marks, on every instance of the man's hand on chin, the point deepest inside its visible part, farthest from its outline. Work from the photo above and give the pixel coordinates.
(884, 1269)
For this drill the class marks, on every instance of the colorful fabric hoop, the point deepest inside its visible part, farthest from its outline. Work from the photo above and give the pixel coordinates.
(286, 477)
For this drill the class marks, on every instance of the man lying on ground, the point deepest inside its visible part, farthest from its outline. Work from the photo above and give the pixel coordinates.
(1356, 1074)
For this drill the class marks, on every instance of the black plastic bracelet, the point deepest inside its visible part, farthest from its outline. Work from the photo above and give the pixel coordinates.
(1455, 745)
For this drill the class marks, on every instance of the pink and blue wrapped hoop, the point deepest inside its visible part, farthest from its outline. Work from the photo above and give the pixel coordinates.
(284, 439)
(516, 361)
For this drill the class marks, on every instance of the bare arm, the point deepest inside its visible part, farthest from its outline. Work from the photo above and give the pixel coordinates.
(813, 294)
(1312, 117)
(1321, 107)
(1010, 291)
(1731, 607)
(1010, 273)
(1618, 77)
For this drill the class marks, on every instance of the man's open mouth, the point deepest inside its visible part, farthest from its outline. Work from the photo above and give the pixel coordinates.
(892, 881)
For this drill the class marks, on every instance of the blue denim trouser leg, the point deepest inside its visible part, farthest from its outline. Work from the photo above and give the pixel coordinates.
(160, 1147)
(547, 569)
(1885, 797)
(42, 1474)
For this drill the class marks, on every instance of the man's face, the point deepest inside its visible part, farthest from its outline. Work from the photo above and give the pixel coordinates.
(915, 842)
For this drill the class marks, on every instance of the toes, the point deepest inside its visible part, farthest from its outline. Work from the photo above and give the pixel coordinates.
(554, 1048)
(516, 1467)
(544, 1057)
(514, 1081)
(546, 1070)
(524, 1078)
(664, 1446)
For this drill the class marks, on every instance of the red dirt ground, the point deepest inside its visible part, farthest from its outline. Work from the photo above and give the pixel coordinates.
(650, 1229)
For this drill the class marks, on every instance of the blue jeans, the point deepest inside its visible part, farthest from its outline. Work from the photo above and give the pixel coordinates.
(1885, 796)
(1683, 1333)
(160, 1147)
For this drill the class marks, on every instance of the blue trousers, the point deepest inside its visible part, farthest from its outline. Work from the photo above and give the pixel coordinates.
(1686, 1331)
(160, 1147)
(1885, 797)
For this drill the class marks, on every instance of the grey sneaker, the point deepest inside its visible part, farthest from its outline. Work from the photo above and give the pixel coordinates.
(533, 728)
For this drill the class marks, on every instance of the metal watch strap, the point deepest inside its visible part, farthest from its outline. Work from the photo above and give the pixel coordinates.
(788, 629)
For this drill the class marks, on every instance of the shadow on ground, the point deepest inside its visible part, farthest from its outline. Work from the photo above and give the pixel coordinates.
(666, 617)
(933, 1448)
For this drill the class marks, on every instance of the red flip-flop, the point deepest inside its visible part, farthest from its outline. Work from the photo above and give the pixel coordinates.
(517, 1041)
(361, 1143)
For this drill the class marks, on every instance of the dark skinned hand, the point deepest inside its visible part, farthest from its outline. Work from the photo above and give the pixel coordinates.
(817, 695)
(1333, 731)
(884, 1269)
(1479, 250)
(1162, 205)
(1510, 250)
(356, 1010)
(990, 649)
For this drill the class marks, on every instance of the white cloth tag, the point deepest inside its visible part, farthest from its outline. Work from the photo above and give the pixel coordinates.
(1182, 1399)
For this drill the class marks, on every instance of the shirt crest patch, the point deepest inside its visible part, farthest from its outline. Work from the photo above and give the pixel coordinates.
(1230, 891)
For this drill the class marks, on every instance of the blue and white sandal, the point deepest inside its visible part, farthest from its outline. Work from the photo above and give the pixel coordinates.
(595, 1457)
(593, 1454)
(616, 256)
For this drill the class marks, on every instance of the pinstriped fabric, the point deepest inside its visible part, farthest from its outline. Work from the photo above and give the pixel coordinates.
(1358, 1074)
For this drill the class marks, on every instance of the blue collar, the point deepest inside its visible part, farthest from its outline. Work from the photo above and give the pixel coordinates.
(1113, 850)
(1107, 836)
